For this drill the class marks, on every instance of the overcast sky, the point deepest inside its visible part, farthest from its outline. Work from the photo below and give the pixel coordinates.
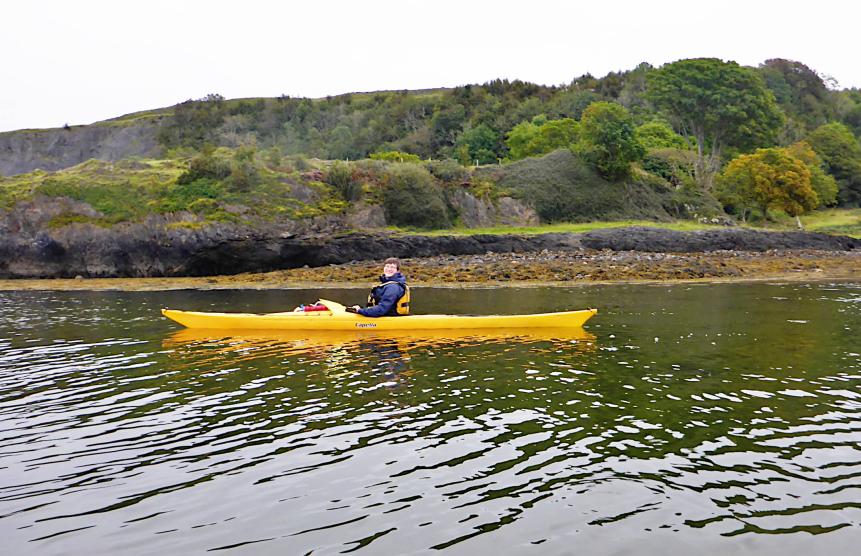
(82, 61)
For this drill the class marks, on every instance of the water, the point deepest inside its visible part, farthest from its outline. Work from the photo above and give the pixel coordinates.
(709, 419)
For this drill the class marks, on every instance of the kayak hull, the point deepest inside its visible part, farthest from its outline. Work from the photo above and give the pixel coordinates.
(336, 320)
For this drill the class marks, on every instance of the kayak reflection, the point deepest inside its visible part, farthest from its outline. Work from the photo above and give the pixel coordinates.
(267, 343)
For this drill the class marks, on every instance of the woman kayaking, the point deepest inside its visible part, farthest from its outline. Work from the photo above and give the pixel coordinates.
(391, 298)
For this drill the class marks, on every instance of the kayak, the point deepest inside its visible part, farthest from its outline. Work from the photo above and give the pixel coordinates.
(336, 317)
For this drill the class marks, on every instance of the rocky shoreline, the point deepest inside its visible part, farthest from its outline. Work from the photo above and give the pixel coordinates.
(160, 247)
(513, 269)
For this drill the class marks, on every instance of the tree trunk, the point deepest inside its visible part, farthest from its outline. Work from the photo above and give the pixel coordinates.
(798, 222)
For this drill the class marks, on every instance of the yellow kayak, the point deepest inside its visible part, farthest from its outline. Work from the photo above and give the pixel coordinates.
(337, 318)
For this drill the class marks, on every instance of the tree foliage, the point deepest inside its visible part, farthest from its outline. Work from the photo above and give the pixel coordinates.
(194, 122)
(608, 141)
(539, 137)
(768, 178)
(717, 103)
(411, 198)
(658, 134)
(841, 153)
(825, 185)
(479, 144)
(800, 91)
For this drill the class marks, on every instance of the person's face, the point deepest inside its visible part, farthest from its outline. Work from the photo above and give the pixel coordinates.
(390, 270)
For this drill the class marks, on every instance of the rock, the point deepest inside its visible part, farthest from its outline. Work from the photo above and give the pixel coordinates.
(53, 149)
(180, 245)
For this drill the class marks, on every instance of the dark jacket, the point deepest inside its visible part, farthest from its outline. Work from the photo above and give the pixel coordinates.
(386, 297)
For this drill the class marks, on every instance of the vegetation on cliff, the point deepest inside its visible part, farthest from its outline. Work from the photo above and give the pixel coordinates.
(692, 139)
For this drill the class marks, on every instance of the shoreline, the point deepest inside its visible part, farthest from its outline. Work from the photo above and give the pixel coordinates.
(545, 268)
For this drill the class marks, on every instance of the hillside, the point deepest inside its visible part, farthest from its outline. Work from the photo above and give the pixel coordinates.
(470, 123)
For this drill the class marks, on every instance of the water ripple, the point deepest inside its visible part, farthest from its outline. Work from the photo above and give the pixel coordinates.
(187, 442)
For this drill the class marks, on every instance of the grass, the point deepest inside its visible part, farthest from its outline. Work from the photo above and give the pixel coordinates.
(834, 221)
(680, 225)
(130, 190)
(830, 221)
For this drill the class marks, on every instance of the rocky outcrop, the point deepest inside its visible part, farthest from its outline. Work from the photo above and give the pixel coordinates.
(482, 213)
(179, 245)
(54, 149)
(656, 240)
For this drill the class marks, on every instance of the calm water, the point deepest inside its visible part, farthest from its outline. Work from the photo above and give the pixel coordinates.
(709, 419)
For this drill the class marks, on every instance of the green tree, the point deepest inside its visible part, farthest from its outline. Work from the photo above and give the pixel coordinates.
(481, 144)
(519, 139)
(555, 134)
(825, 185)
(607, 139)
(341, 144)
(571, 103)
(193, 123)
(537, 138)
(446, 124)
(768, 178)
(799, 91)
(658, 134)
(718, 104)
(841, 153)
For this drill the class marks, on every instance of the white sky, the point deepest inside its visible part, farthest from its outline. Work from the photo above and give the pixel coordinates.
(82, 61)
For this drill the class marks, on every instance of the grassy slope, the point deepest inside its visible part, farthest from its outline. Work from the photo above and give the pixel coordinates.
(563, 188)
(131, 189)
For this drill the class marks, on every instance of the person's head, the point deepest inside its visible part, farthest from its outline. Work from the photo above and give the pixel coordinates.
(391, 266)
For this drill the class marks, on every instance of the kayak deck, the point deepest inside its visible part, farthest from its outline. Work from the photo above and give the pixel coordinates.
(342, 320)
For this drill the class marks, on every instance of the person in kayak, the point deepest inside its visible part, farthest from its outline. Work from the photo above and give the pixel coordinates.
(391, 298)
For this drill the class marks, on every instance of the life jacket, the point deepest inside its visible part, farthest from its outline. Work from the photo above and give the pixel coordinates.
(402, 306)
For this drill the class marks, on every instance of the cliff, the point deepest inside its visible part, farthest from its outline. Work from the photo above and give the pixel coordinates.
(55, 149)
(176, 245)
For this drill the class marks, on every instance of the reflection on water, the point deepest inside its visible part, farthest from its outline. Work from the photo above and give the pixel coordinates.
(712, 419)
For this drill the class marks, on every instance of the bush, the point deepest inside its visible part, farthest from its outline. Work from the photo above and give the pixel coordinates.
(395, 156)
(563, 188)
(676, 166)
(447, 171)
(243, 169)
(205, 166)
(299, 162)
(342, 177)
(183, 196)
(411, 198)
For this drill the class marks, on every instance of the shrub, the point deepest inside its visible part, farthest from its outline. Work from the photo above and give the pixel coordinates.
(243, 169)
(411, 198)
(563, 188)
(676, 166)
(447, 171)
(299, 162)
(342, 177)
(395, 156)
(205, 166)
(183, 196)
